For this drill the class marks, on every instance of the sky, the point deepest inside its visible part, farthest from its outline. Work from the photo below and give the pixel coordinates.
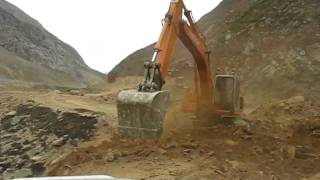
(104, 32)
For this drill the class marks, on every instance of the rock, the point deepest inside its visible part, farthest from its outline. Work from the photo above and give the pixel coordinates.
(243, 124)
(282, 105)
(37, 158)
(7, 136)
(13, 129)
(146, 152)
(17, 145)
(162, 151)
(74, 142)
(190, 146)
(20, 162)
(302, 152)
(234, 164)
(76, 92)
(22, 173)
(7, 174)
(50, 140)
(117, 154)
(76, 125)
(249, 48)
(187, 151)
(272, 161)
(314, 177)
(228, 37)
(302, 52)
(38, 168)
(193, 117)
(247, 137)
(170, 145)
(305, 155)
(258, 150)
(59, 142)
(231, 142)
(211, 153)
(14, 151)
(315, 133)
(11, 113)
(291, 152)
(302, 155)
(111, 157)
(35, 151)
(2, 158)
(223, 168)
(5, 164)
(295, 100)
(57, 92)
(124, 153)
(25, 156)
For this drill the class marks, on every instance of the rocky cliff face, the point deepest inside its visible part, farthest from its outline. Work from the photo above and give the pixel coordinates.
(272, 44)
(32, 55)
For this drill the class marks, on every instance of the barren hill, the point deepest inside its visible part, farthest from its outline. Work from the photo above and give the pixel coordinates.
(273, 46)
(30, 55)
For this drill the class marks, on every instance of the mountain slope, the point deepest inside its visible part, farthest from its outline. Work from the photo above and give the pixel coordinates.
(272, 44)
(31, 54)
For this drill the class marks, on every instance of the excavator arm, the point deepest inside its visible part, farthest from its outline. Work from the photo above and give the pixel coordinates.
(190, 37)
(187, 31)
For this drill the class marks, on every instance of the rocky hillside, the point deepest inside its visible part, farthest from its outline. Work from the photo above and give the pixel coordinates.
(30, 55)
(272, 44)
(30, 135)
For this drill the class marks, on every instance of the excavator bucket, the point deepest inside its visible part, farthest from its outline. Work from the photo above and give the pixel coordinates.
(141, 114)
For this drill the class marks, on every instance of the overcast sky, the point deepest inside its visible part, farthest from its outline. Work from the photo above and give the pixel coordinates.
(104, 32)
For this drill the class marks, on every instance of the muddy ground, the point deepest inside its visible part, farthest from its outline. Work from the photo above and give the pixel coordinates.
(277, 140)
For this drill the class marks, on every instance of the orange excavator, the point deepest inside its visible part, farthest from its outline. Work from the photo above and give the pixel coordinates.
(141, 111)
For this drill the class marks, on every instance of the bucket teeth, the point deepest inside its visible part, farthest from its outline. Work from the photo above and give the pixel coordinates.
(141, 114)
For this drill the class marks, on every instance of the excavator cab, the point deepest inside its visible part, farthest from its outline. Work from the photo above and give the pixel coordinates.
(227, 95)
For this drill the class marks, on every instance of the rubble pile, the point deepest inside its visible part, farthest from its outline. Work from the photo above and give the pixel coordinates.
(30, 133)
(294, 111)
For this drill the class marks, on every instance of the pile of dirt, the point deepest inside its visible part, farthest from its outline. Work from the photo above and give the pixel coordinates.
(32, 56)
(295, 120)
(29, 135)
(288, 112)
